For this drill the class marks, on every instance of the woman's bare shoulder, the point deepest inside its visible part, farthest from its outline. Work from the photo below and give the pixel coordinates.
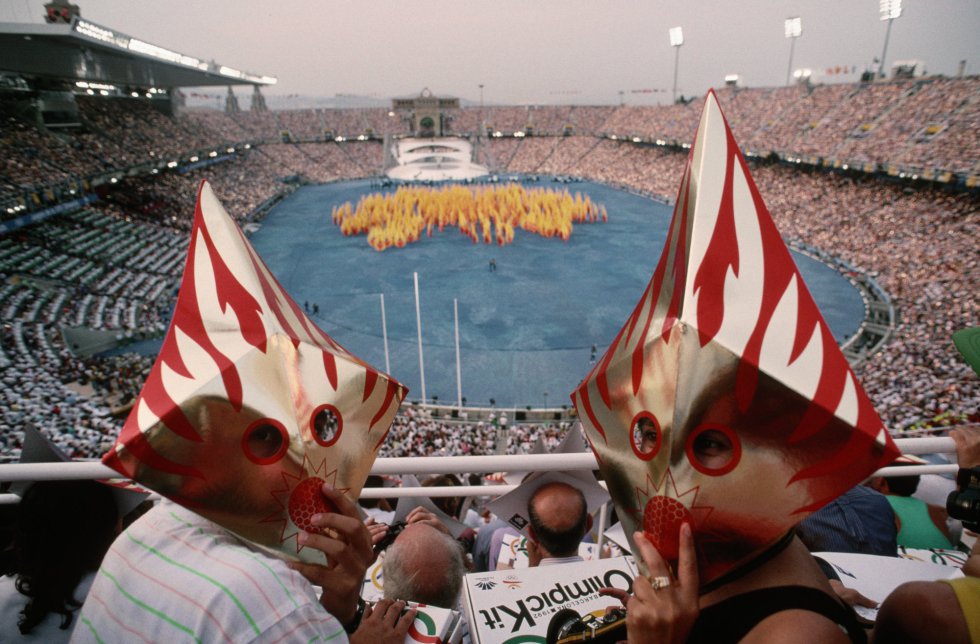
(796, 626)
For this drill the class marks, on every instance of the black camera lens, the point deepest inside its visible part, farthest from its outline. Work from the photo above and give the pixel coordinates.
(964, 503)
(394, 530)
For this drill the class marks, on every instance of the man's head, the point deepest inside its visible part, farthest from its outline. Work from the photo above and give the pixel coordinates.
(758, 418)
(559, 519)
(897, 485)
(448, 504)
(249, 406)
(424, 565)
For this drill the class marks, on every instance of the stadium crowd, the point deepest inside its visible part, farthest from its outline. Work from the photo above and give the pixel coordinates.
(120, 272)
(421, 432)
(111, 268)
(919, 123)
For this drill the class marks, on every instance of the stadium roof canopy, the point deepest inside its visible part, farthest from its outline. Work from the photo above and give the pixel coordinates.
(85, 51)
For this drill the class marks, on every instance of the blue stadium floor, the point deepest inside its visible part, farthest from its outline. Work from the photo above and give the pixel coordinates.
(526, 330)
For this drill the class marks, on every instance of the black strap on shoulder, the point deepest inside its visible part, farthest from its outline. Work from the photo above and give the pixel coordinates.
(749, 566)
(732, 619)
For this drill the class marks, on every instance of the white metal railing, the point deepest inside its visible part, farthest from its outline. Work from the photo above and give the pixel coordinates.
(75, 470)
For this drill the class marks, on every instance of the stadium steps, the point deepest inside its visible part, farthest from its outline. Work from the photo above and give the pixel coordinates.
(350, 157)
(910, 142)
(482, 152)
(882, 116)
(594, 128)
(960, 114)
(761, 132)
(578, 160)
(830, 120)
(303, 152)
(513, 155)
(550, 154)
(276, 162)
(816, 119)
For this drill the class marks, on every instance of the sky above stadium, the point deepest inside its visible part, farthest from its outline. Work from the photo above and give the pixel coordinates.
(537, 52)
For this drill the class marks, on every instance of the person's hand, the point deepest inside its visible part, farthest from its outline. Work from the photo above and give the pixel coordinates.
(616, 593)
(376, 530)
(667, 613)
(967, 441)
(850, 596)
(385, 623)
(421, 515)
(346, 542)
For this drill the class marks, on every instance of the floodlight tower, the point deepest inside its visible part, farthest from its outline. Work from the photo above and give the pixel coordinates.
(887, 10)
(483, 118)
(793, 29)
(676, 40)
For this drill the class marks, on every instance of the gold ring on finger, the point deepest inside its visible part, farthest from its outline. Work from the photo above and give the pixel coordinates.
(659, 583)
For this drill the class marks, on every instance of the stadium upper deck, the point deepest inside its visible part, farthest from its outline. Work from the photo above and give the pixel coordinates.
(923, 129)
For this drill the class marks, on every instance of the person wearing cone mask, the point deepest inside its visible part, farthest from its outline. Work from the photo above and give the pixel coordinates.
(259, 430)
(721, 415)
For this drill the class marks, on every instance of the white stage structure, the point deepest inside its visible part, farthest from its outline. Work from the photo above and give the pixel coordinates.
(434, 159)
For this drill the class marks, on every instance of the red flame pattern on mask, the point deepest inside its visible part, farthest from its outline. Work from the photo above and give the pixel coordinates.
(231, 294)
(722, 243)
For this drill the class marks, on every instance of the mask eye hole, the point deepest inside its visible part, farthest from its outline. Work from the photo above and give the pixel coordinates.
(645, 435)
(265, 441)
(326, 425)
(713, 449)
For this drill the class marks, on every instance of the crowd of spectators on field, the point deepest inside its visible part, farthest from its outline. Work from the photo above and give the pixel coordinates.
(421, 431)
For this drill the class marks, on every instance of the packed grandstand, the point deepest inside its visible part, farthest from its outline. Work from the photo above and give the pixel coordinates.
(881, 175)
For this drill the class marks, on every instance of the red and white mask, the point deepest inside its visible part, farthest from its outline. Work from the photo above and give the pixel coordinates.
(249, 406)
(724, 401)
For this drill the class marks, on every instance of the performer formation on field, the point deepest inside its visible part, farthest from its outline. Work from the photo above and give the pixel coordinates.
(486, 212)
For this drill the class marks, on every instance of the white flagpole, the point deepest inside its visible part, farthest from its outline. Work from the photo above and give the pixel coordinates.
(418, 325)
(459, 381)
(384, 333)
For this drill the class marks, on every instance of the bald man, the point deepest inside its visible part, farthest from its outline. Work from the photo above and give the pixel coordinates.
(424, 565)
(560, 520)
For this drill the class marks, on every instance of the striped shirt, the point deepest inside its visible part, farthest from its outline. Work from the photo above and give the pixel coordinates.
(174, 576)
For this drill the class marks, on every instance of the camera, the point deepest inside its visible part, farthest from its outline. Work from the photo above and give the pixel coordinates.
(567, 626)
(964, 502)
(394, 530)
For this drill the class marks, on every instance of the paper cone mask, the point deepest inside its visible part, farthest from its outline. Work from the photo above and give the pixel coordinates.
(249, 406)
(724, 401)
